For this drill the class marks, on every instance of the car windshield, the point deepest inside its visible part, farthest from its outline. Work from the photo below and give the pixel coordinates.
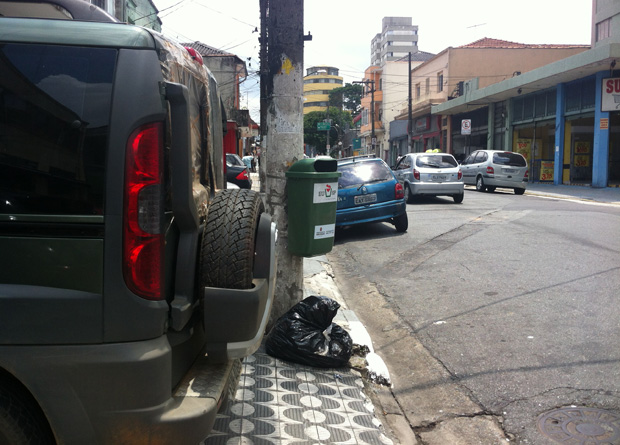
(436, 161)
(508, 158)
(359, 173)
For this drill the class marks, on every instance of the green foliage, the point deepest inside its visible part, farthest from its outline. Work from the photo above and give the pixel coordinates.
(348, 97)
(341, 120)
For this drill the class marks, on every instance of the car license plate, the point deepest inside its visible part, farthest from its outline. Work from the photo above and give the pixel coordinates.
(438, 178)
(365, 199)
(509, 170)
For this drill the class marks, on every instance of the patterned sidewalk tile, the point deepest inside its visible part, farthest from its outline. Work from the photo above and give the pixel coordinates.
(284, 403)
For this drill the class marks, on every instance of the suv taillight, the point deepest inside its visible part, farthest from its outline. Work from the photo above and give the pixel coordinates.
(460, 175)
(416, 174)
(143, 240)
(399, 191)
(527, 174)
(490, 170)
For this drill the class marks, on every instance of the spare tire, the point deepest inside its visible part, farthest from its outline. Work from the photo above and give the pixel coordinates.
(229, 239)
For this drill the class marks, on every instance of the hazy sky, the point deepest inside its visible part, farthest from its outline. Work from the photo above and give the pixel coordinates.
(342, 30)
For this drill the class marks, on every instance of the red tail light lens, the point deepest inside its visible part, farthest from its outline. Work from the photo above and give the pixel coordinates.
(143, 240)
(490, 170)
(527, 174)
(416, 174)
(399, 191)
(243, 175)
(460, 176)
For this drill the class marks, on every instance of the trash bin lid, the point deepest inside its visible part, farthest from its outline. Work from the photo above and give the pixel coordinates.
(319, 167)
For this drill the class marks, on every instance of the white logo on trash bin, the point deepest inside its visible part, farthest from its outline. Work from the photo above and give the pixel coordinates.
(324, 231)
(325, 192)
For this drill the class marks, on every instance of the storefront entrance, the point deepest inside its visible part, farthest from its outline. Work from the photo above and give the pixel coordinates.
(581, 150)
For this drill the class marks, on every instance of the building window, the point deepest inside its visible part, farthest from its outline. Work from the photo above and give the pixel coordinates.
(603, 30)
(417, 90)
(428, 86)
(440, 82)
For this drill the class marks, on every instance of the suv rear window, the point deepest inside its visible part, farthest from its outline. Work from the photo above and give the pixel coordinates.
(54, 117)
(508, 158)
(359, 173)
(436, 161)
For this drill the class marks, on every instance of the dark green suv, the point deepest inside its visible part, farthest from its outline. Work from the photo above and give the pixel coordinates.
(130, 283)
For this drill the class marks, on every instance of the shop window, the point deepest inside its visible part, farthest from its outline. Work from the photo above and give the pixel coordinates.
(540, 104)
(528, 107)
(551, 102)
(580, 95)
(517, 109)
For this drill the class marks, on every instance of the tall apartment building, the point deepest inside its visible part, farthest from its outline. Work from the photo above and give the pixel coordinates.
(397, 39)
(318, 82)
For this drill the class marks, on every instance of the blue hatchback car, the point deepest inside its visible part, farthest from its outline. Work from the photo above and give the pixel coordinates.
(369, 192)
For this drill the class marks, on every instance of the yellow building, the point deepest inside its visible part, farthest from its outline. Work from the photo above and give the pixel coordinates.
(318, 82)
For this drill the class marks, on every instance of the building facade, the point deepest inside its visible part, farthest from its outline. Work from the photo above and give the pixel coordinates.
(229, 71)
(318, 82)
(564, 117)
(135, 12)
(456, 71)
(371, 126)
(398, 38)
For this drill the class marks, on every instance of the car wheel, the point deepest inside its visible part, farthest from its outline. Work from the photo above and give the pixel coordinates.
(458, 198)
(21, 421)
(408, 194)
(490, 189)
(519, 191)
(480, 184)
(401, 222)
(228, 241)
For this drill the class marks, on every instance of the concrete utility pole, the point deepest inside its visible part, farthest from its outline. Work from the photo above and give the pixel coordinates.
(282, 125)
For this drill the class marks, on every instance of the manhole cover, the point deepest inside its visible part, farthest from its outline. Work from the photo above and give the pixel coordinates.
(581, 426)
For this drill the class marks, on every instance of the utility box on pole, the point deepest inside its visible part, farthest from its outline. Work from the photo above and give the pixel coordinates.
(282, 49)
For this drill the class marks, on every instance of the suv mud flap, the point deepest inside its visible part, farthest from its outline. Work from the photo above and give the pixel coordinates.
(236, 319)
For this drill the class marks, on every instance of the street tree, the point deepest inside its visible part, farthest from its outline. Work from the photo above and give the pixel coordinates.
(348, 97)
(340, 121)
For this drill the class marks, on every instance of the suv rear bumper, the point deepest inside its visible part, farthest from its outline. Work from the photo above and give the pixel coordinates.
(121, 393)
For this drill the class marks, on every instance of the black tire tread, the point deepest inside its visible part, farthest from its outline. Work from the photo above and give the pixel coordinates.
(228, 241)
(21, 420)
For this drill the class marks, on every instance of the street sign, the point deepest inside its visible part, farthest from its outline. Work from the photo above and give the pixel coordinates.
(323, 126)
(466, 126)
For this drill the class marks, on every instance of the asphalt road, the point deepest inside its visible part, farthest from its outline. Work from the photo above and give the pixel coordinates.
(489, 315)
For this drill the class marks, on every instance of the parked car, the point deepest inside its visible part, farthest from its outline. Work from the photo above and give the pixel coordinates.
(430, 174)
(369, 192)
(488, 169)
(121, 253)
(237, 172)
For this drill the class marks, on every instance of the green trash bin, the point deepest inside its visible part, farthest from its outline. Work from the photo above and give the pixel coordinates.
(312, 199)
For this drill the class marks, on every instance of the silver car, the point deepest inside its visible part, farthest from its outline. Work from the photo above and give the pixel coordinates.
(488, 169)
(430, 174)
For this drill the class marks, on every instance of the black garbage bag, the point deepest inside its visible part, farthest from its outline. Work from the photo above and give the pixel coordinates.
(305, 334)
